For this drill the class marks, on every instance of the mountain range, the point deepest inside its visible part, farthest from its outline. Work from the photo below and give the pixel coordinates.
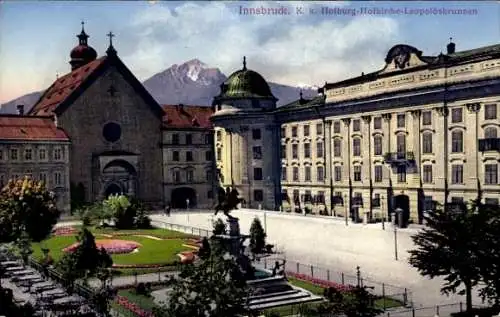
(190, 83)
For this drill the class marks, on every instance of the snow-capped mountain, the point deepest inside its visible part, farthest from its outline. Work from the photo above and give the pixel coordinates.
(191, 83)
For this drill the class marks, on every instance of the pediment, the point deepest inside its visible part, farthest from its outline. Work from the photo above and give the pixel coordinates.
(402, 57)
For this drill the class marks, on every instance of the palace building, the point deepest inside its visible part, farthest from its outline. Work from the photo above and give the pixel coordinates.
(421, 130)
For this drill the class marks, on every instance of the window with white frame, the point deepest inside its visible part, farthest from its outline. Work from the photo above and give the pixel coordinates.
(43, 177)
(490, 112)
(490, 133)
(427, 174)
(319, 129)
(356, 147)
(357, 173)
(58, 179)
(295, 172)
(401, 118)
(427, 142)
(307, 150)
(189, 175)
(456, 115)
(337, 147)
(319, 149)
(320, 171)
(378, 174)
(283, 173)
(28, 154)
(491, 174)
(338, 173)
(295, 151)
(307, 173)
(14, 154)
(42, 154)
(377, 145)
(457, 141)
(58, 155)
(457, 174)
(377, 123)
(401, 173)
(356, 125)
(336, 127)
(427, 118)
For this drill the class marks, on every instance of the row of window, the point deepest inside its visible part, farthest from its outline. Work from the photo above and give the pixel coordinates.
(357, 199)
(188, 139)
(256, 135)
(457, 174)
(189, 156)
(57, 177)
(189, 176)
(457, 144)
(490, 113)
(29, 154)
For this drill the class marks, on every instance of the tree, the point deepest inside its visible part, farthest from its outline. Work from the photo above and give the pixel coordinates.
(204, 250)
(101, 299)
(26, 206)
(85, 261)
(487, 220)
(257, 237)
(212, 287)
(219, 227)
(447, 248)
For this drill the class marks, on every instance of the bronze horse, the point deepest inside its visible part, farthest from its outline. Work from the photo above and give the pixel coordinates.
(227, 200)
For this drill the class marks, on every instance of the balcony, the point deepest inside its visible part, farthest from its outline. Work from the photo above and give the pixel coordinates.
(399, 157)
(489, 144)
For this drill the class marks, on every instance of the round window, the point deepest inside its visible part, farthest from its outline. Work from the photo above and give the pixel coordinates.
(112, 132)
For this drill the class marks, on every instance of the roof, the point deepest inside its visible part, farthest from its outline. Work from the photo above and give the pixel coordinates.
(62, 88)
(30, 128)
(245, 83)
(432, 61)
(183, 116)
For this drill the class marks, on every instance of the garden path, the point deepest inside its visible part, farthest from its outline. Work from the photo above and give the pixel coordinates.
(130, 279)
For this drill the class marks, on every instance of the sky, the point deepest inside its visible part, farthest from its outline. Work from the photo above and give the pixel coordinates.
(305, 46)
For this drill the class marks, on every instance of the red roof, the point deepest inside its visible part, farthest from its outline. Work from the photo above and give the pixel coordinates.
(30, 128)
(63, 87)
(183, 116)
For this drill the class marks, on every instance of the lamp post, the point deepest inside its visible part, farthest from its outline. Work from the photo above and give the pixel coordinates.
(395, 214)
(383, 212)
(346, 210)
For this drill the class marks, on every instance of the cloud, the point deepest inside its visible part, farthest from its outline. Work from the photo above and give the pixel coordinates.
(289, 49)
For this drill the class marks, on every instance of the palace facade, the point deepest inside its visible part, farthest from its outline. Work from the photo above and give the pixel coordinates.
(423, 129)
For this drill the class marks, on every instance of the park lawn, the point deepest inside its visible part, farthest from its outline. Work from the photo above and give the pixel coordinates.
(151, 252)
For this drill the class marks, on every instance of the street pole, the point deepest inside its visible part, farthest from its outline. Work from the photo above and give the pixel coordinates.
(265, 221)
(383, 213)
(396, 242)
(346, 209)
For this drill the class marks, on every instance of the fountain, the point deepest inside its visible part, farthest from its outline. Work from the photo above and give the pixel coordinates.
(268, 288)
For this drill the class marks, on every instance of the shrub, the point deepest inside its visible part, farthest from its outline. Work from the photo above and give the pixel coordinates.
(143, 289)
(142, 220)
(219, 227)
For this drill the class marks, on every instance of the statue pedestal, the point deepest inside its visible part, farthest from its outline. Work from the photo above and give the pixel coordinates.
(233, 227)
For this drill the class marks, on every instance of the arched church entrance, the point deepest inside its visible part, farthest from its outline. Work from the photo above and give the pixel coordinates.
(118, 177)
(402, 202)
(180, 196)
(113, 189)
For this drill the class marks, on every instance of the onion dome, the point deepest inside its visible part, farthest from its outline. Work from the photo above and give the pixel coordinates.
(83, 53)
(245, 83)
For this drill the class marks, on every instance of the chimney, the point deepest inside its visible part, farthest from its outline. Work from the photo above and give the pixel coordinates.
(450, 48)
(20, 110)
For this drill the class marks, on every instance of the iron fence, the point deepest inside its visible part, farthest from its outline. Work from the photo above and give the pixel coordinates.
(431, 311)
(390, 295)
(182, 228)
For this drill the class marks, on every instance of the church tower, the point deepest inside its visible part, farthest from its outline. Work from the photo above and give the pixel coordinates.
(247, 140)
(82, 54)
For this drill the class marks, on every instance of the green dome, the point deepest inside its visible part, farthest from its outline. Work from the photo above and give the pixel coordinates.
(246, 83)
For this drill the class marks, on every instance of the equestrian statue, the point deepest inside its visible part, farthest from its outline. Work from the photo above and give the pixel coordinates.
(227, 200)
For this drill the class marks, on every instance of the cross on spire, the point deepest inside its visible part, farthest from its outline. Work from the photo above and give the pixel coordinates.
(244, 63)
(83, 36)
(111, 50)
(110, 35)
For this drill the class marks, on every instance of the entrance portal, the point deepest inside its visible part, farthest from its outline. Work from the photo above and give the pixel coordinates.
(179, 197)
(113, 189)
(402, 202)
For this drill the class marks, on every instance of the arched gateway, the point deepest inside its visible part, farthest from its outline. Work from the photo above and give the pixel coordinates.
(117, 176)
(179, 197)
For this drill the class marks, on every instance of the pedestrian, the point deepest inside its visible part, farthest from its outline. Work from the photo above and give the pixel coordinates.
(167, 209)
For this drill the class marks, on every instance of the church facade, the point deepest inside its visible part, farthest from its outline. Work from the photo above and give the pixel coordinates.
(103, 135)
(423, 129)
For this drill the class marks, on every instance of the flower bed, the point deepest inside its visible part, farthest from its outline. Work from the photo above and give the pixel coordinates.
(111, 246)
(133, 285)
(64, 231)
(319, 282)
(186, 257)
(133, 307)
